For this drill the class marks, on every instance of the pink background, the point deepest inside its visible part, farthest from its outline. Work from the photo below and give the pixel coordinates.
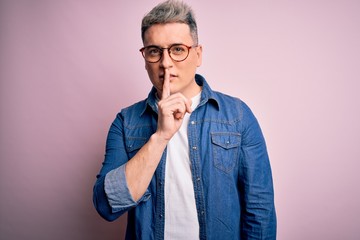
(67, 67)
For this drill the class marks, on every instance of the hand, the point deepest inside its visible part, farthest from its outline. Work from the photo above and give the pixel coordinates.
(172, 109)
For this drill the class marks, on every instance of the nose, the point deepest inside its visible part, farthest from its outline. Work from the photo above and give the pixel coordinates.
(166, 60)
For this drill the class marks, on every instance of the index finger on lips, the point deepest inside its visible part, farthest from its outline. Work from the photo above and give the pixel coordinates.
(166, 85)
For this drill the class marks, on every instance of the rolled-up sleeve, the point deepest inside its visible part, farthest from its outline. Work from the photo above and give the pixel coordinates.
(111, 195)
(117, 191)
(112, 186)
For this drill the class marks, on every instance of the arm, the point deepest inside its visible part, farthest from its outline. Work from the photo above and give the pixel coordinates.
(257, 202)
(112, 194)
(122, 184)
(140, 169)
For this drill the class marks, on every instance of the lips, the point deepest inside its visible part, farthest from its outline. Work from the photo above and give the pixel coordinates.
(171, 76)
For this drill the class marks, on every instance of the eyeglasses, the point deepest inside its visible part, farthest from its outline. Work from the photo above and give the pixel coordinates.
(177, 52)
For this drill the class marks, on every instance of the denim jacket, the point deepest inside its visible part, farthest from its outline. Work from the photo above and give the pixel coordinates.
(229, 164)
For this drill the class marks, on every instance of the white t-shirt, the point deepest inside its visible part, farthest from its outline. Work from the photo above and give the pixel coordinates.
(181, 221)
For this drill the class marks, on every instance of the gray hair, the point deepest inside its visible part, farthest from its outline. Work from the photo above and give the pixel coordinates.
(171, 11)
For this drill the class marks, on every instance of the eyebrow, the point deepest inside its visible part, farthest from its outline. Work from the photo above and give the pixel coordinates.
(162, 47)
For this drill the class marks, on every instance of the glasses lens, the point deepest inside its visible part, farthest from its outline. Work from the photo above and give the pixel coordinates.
(152, 54)
(179, 52)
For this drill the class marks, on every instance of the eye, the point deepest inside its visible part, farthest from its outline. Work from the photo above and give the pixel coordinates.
(153, 51)
(178, 49)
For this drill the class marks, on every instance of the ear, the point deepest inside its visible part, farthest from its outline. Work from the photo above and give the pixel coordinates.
(199, 55)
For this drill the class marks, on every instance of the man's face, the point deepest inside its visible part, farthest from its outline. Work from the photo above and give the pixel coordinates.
(182, 74)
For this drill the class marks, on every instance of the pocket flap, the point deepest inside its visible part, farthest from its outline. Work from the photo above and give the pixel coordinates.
(226, 139)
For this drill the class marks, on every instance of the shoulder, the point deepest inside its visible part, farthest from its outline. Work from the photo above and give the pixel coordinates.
(136, 108)
(230, 103)
(220, 99)
(133, 114)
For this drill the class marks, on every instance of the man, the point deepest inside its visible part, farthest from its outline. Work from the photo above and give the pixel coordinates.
(187, 162)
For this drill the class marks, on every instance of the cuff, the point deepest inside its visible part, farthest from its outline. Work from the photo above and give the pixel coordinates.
(117, 190)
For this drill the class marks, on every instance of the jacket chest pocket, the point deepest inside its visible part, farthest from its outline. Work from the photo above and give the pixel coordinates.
(225, 147)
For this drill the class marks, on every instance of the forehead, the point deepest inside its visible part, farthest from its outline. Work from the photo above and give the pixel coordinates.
(167, 34)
